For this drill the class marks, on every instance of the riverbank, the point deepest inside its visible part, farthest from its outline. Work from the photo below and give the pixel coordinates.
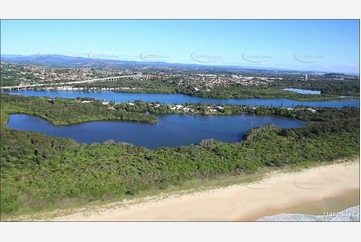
(278, 93)
(259, 100)
(277, 193)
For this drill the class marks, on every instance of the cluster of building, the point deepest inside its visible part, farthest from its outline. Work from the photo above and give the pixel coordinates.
(209, 80)
(34, 74)
(212, 80)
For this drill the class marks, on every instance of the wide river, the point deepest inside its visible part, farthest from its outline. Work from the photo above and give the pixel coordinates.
(182, 99)
(172, 130)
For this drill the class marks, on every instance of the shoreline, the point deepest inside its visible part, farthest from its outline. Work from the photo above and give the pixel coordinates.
(280, 192)
(327, 205)
(156, 93)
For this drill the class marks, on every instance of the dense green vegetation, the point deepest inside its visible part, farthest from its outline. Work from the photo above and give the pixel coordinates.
(14, 77)
(38, 171)
(327, 87)
(330, 89)
(61, 111)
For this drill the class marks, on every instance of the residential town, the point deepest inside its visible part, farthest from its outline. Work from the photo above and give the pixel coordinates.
(18, 74)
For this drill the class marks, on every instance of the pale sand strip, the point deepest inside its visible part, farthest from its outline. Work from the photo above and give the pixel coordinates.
(238, 201)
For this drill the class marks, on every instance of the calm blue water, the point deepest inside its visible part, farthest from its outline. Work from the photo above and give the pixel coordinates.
(181, 99)
(302, 91)
(172, 130)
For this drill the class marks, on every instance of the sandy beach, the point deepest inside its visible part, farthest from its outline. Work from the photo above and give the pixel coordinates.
(272, 195)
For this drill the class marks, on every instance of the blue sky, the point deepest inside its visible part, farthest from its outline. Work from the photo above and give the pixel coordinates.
(325, 45)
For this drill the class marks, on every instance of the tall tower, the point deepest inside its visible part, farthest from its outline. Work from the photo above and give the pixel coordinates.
(306, 77)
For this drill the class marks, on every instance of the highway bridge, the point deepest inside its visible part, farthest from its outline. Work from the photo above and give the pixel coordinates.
(113, 78)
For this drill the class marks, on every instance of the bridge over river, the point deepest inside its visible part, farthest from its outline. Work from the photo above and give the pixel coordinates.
(113, 78)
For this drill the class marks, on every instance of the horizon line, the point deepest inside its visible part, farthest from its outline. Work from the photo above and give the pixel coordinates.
(204, 64)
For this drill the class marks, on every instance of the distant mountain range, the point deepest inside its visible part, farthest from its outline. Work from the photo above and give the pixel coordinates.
(57, 60)
(70, 61)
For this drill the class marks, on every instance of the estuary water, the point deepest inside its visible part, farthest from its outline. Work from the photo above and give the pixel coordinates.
(173, 129)
(182, 99)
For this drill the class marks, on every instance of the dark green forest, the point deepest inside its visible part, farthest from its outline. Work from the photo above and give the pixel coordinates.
(39, 172)
(61, 111)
